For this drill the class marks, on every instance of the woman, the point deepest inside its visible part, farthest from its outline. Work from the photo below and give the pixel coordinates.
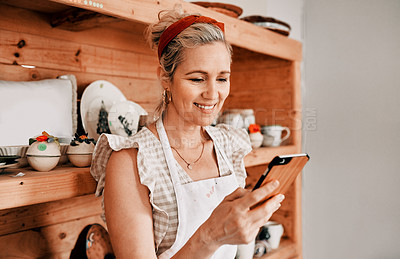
(175, 189)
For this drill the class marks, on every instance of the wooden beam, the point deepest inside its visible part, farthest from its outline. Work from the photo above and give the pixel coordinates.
(76, 19)
(49, 213)
(239, 33)
(37, 187)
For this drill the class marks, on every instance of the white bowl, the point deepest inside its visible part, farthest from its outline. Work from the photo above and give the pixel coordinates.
(256, 139)
(43, 148)
(81, 148)
(43, 163)
(80, 160)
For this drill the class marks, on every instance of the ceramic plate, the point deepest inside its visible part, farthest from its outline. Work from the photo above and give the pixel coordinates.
(8, 159)
(95, 94)
(123, 118)
(7, 165)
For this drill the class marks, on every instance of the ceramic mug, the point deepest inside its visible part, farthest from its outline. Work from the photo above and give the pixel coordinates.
(273, 135)
(275, 231)
(245, 251)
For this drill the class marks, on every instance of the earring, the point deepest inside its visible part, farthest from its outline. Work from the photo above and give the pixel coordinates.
(166, 96)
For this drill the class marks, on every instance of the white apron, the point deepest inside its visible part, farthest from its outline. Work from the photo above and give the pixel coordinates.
(196, 200)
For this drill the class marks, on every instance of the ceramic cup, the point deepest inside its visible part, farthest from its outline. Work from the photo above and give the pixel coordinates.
(273, 135)
(245, 251)
(256, 139)
(275, 231)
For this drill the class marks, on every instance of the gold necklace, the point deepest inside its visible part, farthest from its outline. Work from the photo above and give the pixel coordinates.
(189, 165)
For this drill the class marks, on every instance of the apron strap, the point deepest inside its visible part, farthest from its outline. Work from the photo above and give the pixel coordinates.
(219, 150)
(173, 171)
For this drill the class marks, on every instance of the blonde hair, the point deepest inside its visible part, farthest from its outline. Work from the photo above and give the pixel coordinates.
(195, 35)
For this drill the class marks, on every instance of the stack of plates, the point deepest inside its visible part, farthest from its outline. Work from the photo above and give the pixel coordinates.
(227, 9)
(269, 23)
(8, 161)
(13, 156)
(122, 115)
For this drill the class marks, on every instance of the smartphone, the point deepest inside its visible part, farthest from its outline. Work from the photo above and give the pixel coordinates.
(284, 169)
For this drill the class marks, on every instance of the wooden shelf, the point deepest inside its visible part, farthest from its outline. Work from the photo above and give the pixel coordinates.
(263, 155)
(66, 181)
(37, 187)
(287, 249)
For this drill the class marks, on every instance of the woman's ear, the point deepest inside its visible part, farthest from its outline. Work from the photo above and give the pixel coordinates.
(162, 77)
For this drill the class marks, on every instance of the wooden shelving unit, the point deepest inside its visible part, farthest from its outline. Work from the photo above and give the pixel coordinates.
(47, 211)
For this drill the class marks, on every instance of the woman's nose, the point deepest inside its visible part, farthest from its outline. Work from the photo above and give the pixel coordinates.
(211, 91)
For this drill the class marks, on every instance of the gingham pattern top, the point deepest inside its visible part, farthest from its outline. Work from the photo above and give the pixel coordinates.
(154, 173)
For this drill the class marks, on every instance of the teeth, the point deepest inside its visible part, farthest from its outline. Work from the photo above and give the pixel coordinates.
(204, 107)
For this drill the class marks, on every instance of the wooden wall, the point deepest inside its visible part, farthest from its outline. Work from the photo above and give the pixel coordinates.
(116, 53)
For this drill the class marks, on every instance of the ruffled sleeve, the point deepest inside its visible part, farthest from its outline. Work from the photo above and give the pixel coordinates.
(236, 144)
(106, 144)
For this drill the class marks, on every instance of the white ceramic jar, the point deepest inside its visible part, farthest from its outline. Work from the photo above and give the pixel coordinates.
(43, 156)
(80, 153)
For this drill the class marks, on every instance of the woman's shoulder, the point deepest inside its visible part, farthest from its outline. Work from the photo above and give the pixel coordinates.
(236, 138)
(144, 141)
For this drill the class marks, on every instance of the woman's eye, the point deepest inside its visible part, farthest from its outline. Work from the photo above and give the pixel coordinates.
(222, 80)
(197, 80)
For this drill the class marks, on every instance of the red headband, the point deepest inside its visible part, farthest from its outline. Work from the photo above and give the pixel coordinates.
(177, 27)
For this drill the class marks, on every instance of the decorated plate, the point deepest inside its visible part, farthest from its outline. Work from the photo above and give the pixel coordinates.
(123, 118)
(96, 101)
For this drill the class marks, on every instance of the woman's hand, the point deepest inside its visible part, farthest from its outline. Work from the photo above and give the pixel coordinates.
(236, 220)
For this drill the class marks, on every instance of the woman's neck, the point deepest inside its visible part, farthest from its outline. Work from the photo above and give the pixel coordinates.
(181, 133)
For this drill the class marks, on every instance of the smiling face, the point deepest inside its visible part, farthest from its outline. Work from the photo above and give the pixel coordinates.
(200, 84)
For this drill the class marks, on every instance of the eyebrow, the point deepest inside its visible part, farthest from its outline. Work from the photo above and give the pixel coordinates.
(203, 72)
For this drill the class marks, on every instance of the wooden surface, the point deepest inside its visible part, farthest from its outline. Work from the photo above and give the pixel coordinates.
(49, 213)
(287, 249)
(38, 187)
(239, 33)
(264, 155)
(52, 241)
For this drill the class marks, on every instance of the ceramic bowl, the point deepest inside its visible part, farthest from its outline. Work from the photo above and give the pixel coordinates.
(81, 148)
(43, 163)
(43, 156)
(80, 160)
(43, 148)
(80, 155)
(256, 139)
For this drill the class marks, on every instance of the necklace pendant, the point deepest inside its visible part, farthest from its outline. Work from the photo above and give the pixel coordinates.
(189, 166)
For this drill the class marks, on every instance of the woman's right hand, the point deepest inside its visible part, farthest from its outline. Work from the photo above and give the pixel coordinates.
(236, 220)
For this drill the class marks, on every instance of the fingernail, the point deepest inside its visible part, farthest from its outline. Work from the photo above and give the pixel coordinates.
(281, 197)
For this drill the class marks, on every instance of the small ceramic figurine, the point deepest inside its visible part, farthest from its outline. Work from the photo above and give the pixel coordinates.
(44, 152)
(256, 138)
(80, 150)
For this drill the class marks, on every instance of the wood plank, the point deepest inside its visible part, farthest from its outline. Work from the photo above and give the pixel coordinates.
(287, 249)
(50, 213)
(239, 33)
(75, 19)
(36, 187)
(55, 241)
(263, 155)
(128, 38)
(73, 57)
(145, 92)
